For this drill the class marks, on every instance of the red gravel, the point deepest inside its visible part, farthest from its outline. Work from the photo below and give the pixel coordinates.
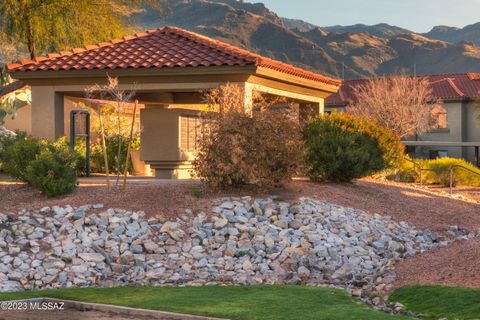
(455, 265)
(167, 199)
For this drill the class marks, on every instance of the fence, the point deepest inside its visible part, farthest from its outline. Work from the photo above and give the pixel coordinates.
(450, 171)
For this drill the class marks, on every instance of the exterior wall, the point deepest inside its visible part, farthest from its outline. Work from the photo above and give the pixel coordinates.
(472, 127)
(22, 121)
(161, 142)
(453, 133)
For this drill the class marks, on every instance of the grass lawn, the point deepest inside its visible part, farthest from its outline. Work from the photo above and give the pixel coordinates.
(440, 302)
(234, 302)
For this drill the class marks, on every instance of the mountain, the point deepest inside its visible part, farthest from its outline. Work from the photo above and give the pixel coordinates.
(298, 24)
(382, 30)
(470, 33)
(350, 51)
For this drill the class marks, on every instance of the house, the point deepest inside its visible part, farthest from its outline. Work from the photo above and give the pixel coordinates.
(458, 130)
(169, 69)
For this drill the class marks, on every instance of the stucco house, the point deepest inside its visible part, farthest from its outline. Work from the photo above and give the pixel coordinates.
(458, 131)
(170, 68)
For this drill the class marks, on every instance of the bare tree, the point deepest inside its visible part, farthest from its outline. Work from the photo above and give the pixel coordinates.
(401, 103)
(110, 91)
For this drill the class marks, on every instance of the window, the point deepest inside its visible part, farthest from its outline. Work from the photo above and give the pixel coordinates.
(189, 132)
(439, 115)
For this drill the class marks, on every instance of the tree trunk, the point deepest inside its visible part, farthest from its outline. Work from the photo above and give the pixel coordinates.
(31, 39)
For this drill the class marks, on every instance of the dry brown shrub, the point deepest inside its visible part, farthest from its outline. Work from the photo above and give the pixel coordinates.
(400, 103)
(237, 149)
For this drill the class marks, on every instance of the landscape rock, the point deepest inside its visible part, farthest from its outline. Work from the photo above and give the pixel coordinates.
(241, 241)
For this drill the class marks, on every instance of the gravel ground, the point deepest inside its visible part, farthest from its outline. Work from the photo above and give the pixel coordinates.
(167, 199)
(455, 265)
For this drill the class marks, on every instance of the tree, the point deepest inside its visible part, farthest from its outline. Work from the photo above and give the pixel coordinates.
(111, 92)
(401, 103)
(52, 25)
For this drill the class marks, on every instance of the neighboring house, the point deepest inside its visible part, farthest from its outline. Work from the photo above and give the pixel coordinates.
(169, 68)
(458, 117)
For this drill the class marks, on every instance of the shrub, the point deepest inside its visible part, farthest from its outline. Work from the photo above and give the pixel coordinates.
(236, 149)
(439, 172)
(19, 154)
(97, 155)
(336, 152)
(53, 172)
(388, 142)
(406, 171)
(79, 153)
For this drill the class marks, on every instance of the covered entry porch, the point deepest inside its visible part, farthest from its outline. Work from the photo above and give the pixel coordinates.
(169, 69)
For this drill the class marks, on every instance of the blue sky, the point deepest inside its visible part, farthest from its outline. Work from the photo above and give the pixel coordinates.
(416, 15)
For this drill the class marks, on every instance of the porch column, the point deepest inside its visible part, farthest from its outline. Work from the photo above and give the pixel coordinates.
(47, 113)
(248, 97)
(309, 110)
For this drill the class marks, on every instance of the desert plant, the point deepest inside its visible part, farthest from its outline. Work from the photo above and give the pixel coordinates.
(112, 146)
(336, 152)
(439, 172)
(19, 154)
(236, 148)
(78, 152)
(388, 142)
(110, 91)
(53, 172)
(401, 103)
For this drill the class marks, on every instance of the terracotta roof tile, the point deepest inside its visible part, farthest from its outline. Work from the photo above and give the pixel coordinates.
(167, 47)
(462, 86)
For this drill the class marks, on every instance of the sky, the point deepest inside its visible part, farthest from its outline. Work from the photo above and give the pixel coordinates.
(415, 15)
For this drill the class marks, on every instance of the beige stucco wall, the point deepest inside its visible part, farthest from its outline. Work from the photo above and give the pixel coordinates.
(22, 120)
(454, 132)
(472, 128)
(160, 142)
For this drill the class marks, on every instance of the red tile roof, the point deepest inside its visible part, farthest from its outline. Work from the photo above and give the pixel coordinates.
(447, 87)
(166, 47)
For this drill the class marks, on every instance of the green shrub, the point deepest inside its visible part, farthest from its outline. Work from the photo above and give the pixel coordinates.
(439, 172)
(53, 172)
(112, 154)
(79, 153)
(19, 154)
(388, 142)
(336, 152)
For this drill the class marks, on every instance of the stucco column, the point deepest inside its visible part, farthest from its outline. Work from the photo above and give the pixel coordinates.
(248, 97)
(47, 113)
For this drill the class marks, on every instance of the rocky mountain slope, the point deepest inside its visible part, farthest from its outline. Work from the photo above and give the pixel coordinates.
(349, 52)
(470, 33)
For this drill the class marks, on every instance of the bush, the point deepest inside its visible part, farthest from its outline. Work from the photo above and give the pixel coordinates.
(388, 142)
(79, 153)
(19, 154)
(439, 172)
(53, 172)
(336, 152)
(97, 155)
(406, 171)
(236, 149)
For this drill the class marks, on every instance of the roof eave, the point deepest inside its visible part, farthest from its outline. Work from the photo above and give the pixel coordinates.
(131, 72)
(292, 79)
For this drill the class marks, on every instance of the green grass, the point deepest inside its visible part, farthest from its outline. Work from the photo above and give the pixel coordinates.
(234, 302)
(440, 302)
